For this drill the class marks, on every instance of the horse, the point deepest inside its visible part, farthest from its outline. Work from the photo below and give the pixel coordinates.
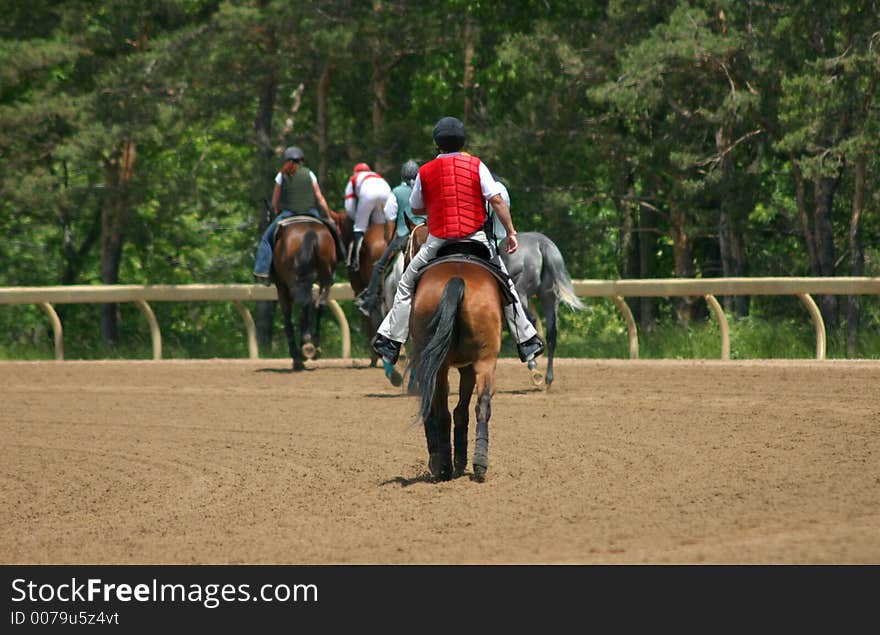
(372, 248)
(456, 322)
(418, 235)
(304, 254)
(537, 269)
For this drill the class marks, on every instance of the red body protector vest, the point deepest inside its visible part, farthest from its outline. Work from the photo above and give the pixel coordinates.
(452, 195)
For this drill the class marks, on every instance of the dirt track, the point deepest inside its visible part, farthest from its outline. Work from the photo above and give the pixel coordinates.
(623, 462)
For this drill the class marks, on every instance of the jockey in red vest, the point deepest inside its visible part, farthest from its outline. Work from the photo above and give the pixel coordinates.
(452, 191)
(365, 195)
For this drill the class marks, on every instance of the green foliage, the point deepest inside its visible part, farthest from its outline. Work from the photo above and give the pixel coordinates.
(642, 136)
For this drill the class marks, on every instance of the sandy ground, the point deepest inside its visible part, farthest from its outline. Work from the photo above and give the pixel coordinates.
(233, 461)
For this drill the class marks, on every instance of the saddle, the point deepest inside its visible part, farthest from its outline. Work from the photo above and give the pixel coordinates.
(473, 252)
(291, 220)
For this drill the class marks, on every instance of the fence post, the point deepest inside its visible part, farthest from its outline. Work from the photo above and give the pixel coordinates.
(632, 332)
(722, 325)
(155, 333)
(253, 349)
(818, 323)
(337, 312)
(49, 310)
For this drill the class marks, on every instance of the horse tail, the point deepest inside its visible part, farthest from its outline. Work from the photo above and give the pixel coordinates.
(562, 286)
(305, 267)
(430, 358)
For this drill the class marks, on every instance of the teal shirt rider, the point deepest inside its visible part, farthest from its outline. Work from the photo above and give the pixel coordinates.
(401, 196)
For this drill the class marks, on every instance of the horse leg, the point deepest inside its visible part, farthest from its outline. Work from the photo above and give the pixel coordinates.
(467, 381)
(320, 306)
(370, 330)
(551, 313)
(440, 457)
(316, 340)
(485, 380)
(284, 300)
(307, 345)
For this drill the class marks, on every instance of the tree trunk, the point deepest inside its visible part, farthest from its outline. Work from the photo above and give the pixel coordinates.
(683, 258)
(628, 236)
(74, 256)
(824, 188)
(323, 121)
(114, 214)
(470, 35)
(804, 216)
(856, 257)
(730, 227)
(267, 92)
(378, 87)
(647, 255)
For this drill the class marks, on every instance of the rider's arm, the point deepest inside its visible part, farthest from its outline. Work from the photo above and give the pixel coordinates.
(502, 211)
(276, 197)
(390, 210)
(319, 196)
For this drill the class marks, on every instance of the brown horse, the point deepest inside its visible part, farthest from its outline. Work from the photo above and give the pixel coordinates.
(372, 248)
(305, 254)
(456, 322)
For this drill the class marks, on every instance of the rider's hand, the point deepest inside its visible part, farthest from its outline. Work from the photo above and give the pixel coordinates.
(512, 243)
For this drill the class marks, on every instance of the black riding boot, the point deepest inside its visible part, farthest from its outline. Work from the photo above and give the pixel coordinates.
(354, 251)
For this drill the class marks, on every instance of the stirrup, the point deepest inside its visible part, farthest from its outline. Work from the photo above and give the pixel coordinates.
(386, 348)
(530, 349)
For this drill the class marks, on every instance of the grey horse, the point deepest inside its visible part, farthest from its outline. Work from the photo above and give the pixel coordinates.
(538, 270)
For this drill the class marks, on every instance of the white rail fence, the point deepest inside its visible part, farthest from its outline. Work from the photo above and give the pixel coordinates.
(617, 290)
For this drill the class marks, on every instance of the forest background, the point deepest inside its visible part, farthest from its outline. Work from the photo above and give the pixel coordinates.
(647, 138)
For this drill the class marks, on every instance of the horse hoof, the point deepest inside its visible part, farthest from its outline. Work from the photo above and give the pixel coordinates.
(395, 378)
(298, 365)
(537, 378)
(480, 473)
(440, 467)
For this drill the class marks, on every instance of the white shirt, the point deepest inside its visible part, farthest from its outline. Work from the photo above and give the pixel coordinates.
(489, 186)
(390, 208)
(368, 189)
(279, 180)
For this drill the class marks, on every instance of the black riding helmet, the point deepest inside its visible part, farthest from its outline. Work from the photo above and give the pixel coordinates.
(409, 171)
(293, 153)
(449, 134)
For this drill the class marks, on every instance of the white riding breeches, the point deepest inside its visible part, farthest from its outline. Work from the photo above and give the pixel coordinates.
(370, 204)
(395, 326)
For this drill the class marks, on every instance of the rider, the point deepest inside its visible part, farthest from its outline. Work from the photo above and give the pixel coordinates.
(296, 192)
(452, 189)
(397, 210)
(365, 193)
